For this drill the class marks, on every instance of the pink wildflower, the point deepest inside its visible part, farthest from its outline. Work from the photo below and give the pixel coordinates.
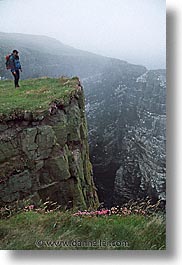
(31, 207)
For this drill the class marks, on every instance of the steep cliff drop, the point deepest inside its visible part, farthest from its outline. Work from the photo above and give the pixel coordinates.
(44, 149)
(126, 112)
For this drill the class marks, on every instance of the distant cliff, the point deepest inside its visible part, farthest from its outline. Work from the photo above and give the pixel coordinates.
(45, 56)
(126, 114)
(44, 149)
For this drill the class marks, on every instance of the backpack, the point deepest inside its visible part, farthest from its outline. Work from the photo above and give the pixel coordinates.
(8, 63)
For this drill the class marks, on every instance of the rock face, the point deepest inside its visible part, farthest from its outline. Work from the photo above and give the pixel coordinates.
(127, 120)
(47, 155)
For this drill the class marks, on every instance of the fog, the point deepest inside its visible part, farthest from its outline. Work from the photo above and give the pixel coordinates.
(132, 30)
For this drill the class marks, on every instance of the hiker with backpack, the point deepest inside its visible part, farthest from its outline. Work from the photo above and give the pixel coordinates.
(13, 63)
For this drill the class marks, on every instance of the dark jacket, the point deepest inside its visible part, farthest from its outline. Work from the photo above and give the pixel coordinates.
(14, 63)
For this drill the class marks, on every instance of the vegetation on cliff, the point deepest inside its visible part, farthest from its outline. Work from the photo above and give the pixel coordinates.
(137, 225)
(63, 230)
(35, 94)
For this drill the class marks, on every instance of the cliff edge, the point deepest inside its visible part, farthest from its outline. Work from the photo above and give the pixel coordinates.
(44, 150)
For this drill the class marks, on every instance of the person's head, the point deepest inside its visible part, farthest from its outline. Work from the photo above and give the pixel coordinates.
(15, 52)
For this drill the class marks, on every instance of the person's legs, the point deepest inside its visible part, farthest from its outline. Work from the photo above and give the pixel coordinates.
(16, 77)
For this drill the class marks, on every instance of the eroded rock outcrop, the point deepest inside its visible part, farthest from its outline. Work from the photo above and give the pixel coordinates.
(46, 155)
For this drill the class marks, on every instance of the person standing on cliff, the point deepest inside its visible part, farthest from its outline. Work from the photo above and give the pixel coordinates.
(15, 67)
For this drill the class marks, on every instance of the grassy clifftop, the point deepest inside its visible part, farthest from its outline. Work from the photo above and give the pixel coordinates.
(35, 94)
(62, 230)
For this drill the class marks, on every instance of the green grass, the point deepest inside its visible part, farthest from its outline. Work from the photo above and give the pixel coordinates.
(23, 230)
(34, 94)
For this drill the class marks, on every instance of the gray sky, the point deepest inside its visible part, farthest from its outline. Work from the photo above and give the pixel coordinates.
(132, 30)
